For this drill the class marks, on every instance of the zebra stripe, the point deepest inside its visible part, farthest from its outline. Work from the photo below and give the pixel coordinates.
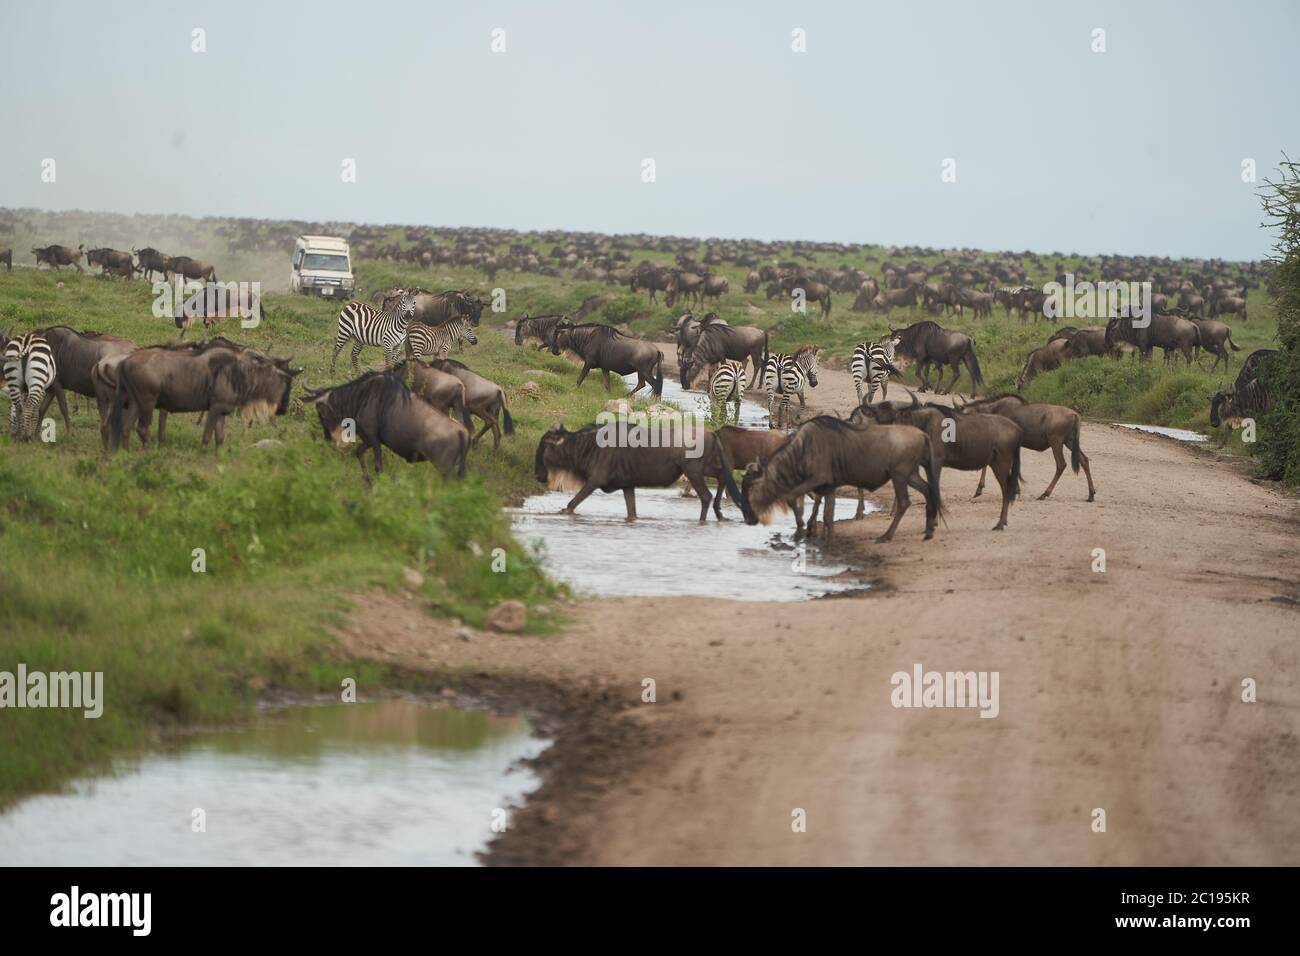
(787, 374)
(728, 384)
(436, 340)
(370, 326)
(872, 364)
(28, 369)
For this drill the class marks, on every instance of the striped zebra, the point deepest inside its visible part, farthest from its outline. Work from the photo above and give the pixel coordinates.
(371, 326)
(436, 340)
(29, 370)
(785, 374)
(728, 384)
(873, 362)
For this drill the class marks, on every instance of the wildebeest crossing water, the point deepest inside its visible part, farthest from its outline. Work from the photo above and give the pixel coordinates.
(389, 782)
(667, 551)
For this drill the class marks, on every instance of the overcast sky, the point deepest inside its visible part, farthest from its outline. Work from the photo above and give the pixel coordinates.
(1136, 150)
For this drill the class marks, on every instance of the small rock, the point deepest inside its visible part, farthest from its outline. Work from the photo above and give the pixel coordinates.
(412, 578)
(531, 389)
(508, 616)
(268, 443)
(464, 633)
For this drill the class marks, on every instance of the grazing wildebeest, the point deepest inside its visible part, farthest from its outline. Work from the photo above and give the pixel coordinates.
(149, 260)
(75, 356)
(442, 390)
(1248, 396)
(190, 269)
(7, 257)
(439, 308)
(58, 256)
(813, 291)
(929, 343)
(752, 281)
(1216, 337)
(715, 287)
(688, 285)
(384, 412)
(827, 452)
(606, 348)
(582, 461)
(1045, 358)
(1086, 342)
(718, 341)
(962, 441)
(889, 299)
(1042, 427)
(213, 303)
(1229, 305)
(536, 326)
(111, 261)
(483, 397)
(200, 377)
(746, 445)
(1168, 332)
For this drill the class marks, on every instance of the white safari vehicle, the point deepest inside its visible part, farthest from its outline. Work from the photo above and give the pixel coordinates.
(322, 265)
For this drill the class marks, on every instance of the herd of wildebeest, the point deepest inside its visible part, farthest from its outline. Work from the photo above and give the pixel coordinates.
(421, 405)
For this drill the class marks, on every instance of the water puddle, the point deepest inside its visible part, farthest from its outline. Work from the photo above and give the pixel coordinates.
(666, 551)
(1181, 434)
(385, 783)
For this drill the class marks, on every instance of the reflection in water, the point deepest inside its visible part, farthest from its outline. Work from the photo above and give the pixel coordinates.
(667, 552)
(393, 782)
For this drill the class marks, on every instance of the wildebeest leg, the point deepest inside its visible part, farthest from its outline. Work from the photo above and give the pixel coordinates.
(606, 373)
(812, 517)
(1002, 472)
(162, 427)
(629, 500)
(586, 367)
(54, 392)
(979, 489)
(828, 514)
(583, 494)
(1087, 473)
(862, 505)
(696, 479)
(901, 503)
(796, 505)
(362, 448)
(1060, 468)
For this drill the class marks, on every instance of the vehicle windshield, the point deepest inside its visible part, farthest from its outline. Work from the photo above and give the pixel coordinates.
(325, 261)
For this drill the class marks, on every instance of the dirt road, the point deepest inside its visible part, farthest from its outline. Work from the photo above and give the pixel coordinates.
(1119, 690)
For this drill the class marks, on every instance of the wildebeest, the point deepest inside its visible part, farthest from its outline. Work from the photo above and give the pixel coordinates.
(1045, 358)
(442, 390)
(1042, 426)
(1169, 332)
(1216, 337)
(718, 341)
(688, 285)
(1248, 396)
(827, 452)
(112, 262)
(213, 303)
(746, 445)
(149, 260)
(1229, 305)
(715, 287)
(928, 343)
(58, 256)
(439, 308)
(384, 412)
(483, 397)
(203, 377)
(889, 299)
(190, 269)
(582, 461)
(606, 348)
(1086, 342)
(962, 441)
(7, 257)
(811, 289)
(75, 356)
(536, 326)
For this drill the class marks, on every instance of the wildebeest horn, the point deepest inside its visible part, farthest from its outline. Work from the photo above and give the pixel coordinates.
(916, 402)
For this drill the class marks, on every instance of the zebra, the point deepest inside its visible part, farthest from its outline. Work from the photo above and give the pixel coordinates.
(785, 374)
(371, 326)
(436, 340)
(873, 362)
(728, 384)
(29, 370)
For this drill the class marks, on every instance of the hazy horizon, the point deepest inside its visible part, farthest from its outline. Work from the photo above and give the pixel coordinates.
(1137, 150)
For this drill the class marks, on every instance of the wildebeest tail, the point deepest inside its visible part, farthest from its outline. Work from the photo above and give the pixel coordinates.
(1014, 489)
(1074, 445)
(115, 414)
(1232, 343)
(464, 455)
(933, 503)
(973, 365)
(659, 375)
(507, 423)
